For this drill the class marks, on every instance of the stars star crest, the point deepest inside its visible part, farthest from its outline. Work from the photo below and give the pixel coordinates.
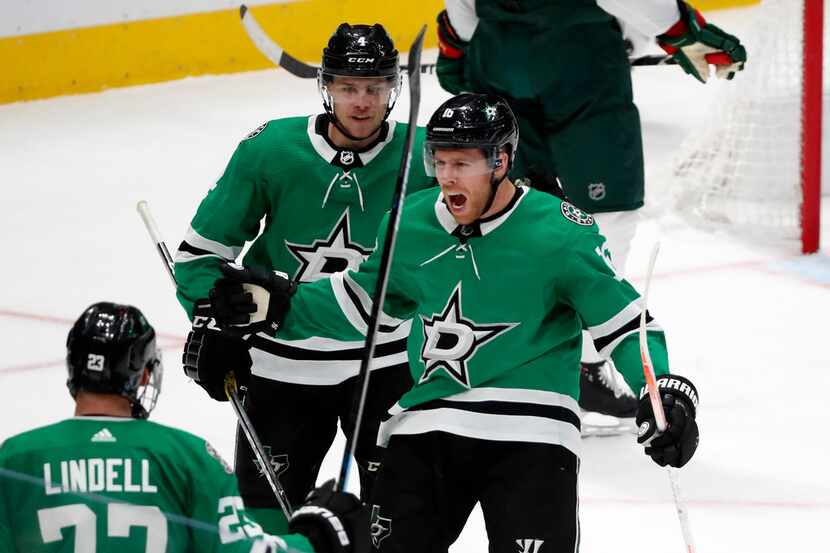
(451, 340)
(322, 258)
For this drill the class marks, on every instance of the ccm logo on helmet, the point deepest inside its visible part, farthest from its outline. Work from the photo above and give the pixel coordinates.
(361, 60)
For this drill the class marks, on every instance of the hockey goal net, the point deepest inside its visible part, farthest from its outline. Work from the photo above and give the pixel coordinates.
(754, 167)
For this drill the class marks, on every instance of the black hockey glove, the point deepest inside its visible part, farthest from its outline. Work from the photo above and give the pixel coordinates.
(334, 522)
(450, 65)
(210, 354)
(678, 443)
(249, 299)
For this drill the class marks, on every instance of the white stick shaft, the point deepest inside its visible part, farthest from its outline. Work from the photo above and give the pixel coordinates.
(648, 368)
(682, 512)
(657, 406)
(144, 211)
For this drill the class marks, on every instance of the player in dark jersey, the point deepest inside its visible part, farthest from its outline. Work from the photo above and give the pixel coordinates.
(503, 279)
(321, 184)
(109, 480)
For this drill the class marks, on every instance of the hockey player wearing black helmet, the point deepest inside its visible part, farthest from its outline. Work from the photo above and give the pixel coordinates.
(107, 469)
(501, 279)
(359, 80)
(322, 182)
(471, 143)
(111, 356)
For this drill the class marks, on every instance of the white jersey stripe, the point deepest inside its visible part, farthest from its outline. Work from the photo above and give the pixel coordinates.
(314, 373)
(629, 312)
(483, 426)
(198, 241)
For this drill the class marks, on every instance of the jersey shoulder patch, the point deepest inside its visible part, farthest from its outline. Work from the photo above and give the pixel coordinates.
(576, 215)
(215, 454)
(256, 131)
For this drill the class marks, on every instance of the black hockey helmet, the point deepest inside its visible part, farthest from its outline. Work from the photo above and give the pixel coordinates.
(359, 51)
(107, 351)
(482, 121)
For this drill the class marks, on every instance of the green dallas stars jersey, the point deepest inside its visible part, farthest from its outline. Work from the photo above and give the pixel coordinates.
(105, 484)
(322, 207)
(496, 352)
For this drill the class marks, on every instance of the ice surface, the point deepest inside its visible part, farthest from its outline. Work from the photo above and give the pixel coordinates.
(747, 323)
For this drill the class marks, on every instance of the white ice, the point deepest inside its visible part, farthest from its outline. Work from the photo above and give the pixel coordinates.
(748, 324)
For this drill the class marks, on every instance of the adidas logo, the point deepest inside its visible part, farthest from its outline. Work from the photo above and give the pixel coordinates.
(103, 435)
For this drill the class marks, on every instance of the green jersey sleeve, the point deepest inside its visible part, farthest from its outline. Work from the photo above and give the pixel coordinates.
(609, 306)
(341, 305)
(227, 217)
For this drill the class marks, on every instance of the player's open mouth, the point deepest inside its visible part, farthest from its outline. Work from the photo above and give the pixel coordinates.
(456, 201)
(361, 117)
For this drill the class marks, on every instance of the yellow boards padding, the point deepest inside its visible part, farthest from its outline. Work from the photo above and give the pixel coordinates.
(706, 5)
(138, 52)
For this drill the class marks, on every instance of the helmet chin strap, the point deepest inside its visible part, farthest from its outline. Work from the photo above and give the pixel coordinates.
(494, 187)
(347, 134)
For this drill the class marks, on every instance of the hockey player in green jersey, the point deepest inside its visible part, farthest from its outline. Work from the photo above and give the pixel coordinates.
(563, 68)
(502, 279)
(322, 184)
(108, 480)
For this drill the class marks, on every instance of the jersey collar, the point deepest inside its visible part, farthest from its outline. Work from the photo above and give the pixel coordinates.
(482, 227)
(345, 158)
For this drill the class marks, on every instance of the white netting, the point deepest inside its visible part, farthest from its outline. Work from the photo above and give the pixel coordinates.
(741, 170)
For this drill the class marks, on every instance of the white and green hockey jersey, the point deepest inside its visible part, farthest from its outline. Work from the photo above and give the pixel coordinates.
(112, 484)
(320, 207)
(499, 307)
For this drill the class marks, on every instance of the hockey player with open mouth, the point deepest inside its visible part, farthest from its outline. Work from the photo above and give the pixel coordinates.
(502, 280)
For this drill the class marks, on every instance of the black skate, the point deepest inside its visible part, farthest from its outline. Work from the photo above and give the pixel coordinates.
(607, 402)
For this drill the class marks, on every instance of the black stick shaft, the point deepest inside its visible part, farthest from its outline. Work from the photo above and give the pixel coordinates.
(386, 256)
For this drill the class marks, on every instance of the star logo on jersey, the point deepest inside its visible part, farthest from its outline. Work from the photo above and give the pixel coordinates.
(278, 462)
(325, 257)
(451, 340)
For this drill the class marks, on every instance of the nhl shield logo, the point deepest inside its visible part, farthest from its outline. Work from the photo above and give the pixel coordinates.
(347, 157)
(573, 213)
(596, 191)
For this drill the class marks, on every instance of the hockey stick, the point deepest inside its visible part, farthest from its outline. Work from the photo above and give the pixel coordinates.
(657, 407)
(281, 58)
(386, 254)
(230, 380)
